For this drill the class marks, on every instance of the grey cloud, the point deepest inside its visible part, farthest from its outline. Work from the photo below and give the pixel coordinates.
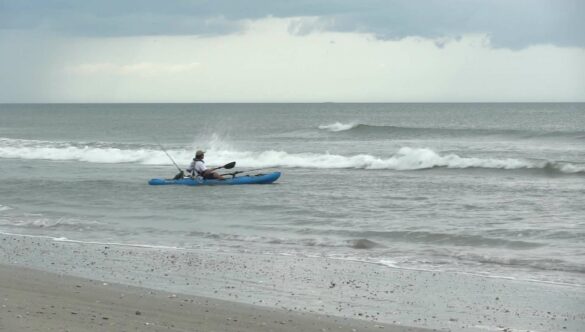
(511, 24)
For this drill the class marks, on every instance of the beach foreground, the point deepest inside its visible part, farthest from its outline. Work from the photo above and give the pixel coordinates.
(250, 292)
(34, 300)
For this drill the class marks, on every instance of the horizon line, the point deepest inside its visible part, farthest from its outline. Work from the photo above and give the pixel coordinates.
(288, 102)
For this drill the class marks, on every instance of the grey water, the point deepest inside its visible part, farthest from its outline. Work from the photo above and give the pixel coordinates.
(488, 189)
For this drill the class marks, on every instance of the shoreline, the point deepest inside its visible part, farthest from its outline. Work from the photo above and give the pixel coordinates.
(34, 300)
(339, 291)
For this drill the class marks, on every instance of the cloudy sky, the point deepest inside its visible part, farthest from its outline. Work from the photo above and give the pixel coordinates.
(292, 51)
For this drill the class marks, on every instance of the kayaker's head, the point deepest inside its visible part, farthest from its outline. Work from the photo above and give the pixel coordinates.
(199, 154)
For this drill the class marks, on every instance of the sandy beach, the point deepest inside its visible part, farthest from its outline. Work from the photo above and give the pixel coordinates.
(199, 290)
(33, 300)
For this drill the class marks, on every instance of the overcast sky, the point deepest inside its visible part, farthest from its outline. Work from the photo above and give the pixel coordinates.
(292, 51)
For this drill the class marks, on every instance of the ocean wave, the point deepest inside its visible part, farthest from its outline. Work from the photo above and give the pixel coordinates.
(357, 243)
(426, 237)
(92, 152)
(4, 208)
(372, 249)
(375, 239)
(338, 126)
(32, 222)
(400, 131)
(545, 264)
(404, 159)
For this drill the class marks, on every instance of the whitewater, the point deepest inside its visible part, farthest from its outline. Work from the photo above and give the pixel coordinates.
(405, 158)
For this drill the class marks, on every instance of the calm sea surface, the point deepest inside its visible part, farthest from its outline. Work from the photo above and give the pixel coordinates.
(488, 189)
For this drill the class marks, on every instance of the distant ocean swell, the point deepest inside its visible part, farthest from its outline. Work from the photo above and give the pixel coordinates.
(361, 128)
(404, 159)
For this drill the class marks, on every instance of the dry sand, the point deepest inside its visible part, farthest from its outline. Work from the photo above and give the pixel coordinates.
(33, 300)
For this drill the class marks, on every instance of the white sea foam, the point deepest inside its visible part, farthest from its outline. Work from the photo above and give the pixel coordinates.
(35, 221)
(405, 158)
(64, 239)
(4, 208)
(39, 150)
(338, 126)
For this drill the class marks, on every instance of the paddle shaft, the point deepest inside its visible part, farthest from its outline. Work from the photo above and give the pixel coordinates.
(250, 170)
(255, 169)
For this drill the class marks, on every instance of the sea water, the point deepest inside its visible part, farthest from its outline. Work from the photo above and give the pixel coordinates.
(495, 190)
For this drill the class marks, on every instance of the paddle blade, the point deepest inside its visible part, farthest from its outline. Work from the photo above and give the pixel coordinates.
(230, 165)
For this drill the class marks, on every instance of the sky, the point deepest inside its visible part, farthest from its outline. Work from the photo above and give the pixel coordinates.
(292, 51)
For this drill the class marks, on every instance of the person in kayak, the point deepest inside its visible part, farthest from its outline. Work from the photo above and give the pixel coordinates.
(197, 167)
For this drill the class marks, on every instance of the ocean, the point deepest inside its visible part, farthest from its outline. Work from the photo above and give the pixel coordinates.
(488, 190)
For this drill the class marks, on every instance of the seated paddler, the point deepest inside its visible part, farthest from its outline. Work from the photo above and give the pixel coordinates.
(198, 168)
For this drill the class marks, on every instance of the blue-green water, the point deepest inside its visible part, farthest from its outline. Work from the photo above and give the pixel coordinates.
(489, 189)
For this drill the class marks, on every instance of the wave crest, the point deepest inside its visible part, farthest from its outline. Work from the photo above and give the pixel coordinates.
(404, 159)
(4, 208)
(338, 126)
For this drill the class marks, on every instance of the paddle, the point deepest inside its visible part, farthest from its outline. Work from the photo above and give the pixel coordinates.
(247, 171)
(255, 169)
(226, 166)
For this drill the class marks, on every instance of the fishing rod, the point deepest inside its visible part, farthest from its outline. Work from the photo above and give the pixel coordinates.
(171, 158)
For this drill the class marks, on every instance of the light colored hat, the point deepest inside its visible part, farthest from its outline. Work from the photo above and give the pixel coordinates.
(199, 153)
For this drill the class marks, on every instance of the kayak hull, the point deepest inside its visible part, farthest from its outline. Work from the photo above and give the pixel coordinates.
(248, 179)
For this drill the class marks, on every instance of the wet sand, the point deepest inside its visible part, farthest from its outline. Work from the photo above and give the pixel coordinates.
(241, 291)
(33, 300)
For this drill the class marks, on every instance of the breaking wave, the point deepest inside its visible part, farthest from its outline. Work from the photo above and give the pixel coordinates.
(338, 126)
(404, 159)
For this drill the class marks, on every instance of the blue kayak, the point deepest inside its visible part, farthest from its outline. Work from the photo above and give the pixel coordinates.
(247, 179)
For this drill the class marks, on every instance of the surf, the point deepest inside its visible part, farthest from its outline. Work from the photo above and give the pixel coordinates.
(338, 126)
(405, 159)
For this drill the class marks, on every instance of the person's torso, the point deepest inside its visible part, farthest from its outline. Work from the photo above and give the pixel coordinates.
(199, 166)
